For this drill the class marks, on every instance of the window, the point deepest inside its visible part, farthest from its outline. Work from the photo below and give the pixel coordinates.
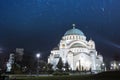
(56, 56)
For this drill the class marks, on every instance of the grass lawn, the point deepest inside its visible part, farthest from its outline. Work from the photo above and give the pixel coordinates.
(87, 77)
(110, 75)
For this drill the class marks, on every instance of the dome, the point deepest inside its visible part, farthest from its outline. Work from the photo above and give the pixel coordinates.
(99, 55)
(74, 31)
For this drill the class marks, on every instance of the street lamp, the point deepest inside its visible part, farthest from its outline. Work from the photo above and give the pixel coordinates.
(119, 66)
(103, 64)
(103, 67)
(38, 57)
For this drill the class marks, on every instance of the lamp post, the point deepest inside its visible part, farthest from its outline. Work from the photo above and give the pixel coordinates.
(104, 66)
(119, 66)
(38, 67)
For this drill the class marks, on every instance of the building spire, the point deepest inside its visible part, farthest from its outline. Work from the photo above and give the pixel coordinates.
(73, 26)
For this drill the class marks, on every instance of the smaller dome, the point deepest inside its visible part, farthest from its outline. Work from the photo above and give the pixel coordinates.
(56, 48)
(91, 42)
(74, 31)
(99, 55)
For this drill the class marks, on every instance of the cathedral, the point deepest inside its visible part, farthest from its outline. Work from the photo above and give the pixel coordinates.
(79, 53)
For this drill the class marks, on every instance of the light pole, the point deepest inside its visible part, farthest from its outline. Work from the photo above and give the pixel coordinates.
(38, 67)
(119, 66)
(103, 66)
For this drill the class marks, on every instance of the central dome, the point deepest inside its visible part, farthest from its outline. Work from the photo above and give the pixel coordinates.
(74, 31)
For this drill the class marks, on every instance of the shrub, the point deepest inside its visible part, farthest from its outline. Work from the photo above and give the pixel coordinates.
(65, 73)
(50, 71)
(57, 73)
(60, 73)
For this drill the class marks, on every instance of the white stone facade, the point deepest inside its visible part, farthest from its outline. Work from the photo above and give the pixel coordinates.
(10, 62)
(77, 51)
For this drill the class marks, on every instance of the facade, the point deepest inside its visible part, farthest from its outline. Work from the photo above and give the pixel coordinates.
(19, 54)
(10, 62)
(79, 53)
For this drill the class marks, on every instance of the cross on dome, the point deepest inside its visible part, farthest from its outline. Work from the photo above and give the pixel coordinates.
(73, 26)
(74, 31)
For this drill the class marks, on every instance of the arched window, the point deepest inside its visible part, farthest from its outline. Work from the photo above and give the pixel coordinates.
(73, 37)
(70, 37)
(67, 37)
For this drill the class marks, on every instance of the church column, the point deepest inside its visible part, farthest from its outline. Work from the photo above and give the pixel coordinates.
(93, 62)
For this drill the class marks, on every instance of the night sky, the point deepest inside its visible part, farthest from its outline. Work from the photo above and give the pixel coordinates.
(38, 25)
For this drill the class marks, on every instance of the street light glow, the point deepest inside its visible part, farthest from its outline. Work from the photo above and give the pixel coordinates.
(103, 64)
(38, 55)
(111, 64)
(119, 64)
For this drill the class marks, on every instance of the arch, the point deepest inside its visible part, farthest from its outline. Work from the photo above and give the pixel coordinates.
(77, 43)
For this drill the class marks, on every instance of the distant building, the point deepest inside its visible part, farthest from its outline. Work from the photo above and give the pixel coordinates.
(115, 65)
(15, 58)
(19, 54)
(77, 51)
(10, 62)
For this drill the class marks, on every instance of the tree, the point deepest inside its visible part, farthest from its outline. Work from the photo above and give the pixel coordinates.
(16, 69)
(66, 66)
(60, 64)
(49, 68)
(42, 65)
(77, 69)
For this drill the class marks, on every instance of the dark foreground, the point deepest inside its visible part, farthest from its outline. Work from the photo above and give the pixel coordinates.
(110, 75)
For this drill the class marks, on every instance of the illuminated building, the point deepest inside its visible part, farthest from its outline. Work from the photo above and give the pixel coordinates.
(10, 62)
(77, 51)
(17, 57)
(19, 54)
(115, 65)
